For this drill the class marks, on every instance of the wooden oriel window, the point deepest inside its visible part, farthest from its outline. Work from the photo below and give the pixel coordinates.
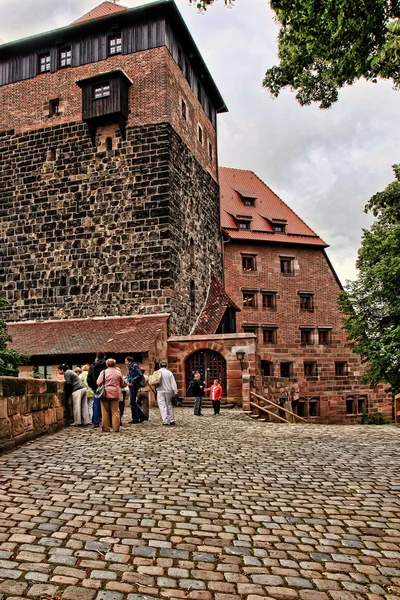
(44, 63)
(65, 57)
(115, 45)
(249, 299)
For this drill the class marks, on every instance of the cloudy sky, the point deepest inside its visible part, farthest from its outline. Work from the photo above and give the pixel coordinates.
(324, 164)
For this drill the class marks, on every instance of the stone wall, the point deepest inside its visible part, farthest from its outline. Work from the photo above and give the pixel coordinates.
(102, 233)
(29, 408)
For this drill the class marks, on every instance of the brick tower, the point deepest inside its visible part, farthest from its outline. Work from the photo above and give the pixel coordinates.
(109, 180)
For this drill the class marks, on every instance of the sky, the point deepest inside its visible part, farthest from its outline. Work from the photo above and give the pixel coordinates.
(324, 164)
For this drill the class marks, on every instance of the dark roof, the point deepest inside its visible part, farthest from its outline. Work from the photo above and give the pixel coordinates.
(86, 336)
(103, 10)
(213, 312)
(268, 209)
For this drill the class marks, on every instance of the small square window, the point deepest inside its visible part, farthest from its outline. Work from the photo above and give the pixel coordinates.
(249, 300)
(101, 91)
(310, 369)
(44, 63)
(114, 45)
(249, 329)
(314, 407)
(184, 110)
(267, 368)
(244, 224)
(54, 107)
(306, 337)
(269, 335)
(65, 57)
(248, 263)
(269, 300)
(287, 266)
(341, 369)
(286, 369)
(324, 337)
(306, 302)
(200, 134)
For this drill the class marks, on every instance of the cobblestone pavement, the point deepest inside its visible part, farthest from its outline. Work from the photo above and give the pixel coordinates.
(213, 509)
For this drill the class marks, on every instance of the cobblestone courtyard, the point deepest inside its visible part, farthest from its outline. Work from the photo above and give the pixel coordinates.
(213, 509)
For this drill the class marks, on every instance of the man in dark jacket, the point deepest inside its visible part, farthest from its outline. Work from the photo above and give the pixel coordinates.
(134, 379)
(197, 388)
(96, 368)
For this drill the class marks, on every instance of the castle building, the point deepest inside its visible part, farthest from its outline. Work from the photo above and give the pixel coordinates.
(110, 223)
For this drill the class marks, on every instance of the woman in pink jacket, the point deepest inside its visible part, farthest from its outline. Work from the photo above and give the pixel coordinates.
(215, 395)
(113, 382)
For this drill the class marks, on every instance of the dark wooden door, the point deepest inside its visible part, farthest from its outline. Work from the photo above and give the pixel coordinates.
(209, 364)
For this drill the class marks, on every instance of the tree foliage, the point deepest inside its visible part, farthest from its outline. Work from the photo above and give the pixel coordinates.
(371, 304)
(324, 45)
(10, 360)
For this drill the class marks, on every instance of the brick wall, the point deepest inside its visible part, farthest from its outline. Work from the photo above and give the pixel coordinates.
(312, 273)
(86, 233)
(154, 97)
(29, 408)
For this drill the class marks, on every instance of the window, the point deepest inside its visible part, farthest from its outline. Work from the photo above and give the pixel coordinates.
(314, 407)
(279, 228)
(192, 297)
(287, 266)
(248, 201)
(248, 263)
(65, 57)
(200, 134)
(307, 407)
(269, 300)
(341, 369)
(306, 336)
(45, 372)
(44, 63)
(54, 107)
(210, 150)
(251, 329)
(306, 302)
(269, 335)
(244, 224)
(310, 369)
(286, 369)
(267, 368)
(249, 300)
(324, 337)
(101, 91)
(184, 110)
(356, 405)
(109, 144)
(115, 45)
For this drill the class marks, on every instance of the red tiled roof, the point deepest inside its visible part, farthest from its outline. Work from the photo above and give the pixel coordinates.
(216, 304)
(86, 336)
(103, 10)
(236, 184)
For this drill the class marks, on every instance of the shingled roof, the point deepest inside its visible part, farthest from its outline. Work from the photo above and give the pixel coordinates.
(103, 10)
(216, 304)
(237, 185)
(86, 336)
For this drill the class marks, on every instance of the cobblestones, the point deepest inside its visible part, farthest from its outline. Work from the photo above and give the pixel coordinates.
(217, 510)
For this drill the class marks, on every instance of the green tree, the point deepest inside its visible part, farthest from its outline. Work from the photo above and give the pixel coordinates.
(10, 360)
(324, 45)
(371, 304)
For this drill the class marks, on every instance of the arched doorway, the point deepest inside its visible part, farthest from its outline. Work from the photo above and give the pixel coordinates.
(209, 364)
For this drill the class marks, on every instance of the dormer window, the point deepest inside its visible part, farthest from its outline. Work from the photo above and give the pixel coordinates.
(279, 228)
(65, 57)
(249, 201)
(244, 224)
(101, 91)
(115, 45)
(44, 63)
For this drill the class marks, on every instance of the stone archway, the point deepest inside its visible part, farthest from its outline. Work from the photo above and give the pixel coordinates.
(210, 364)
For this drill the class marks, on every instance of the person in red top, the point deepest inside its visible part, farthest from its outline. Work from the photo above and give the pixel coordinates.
(215, 395)
(113, 383)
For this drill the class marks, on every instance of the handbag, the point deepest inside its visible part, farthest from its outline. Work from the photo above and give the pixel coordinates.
(101, 390)
(155, 378)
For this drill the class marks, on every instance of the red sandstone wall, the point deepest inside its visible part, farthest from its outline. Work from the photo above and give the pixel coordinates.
(312, 273)
(155, 97)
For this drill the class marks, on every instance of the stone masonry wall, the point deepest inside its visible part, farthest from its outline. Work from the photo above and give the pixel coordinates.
(312, 273)
(29, 408)
(101, 233)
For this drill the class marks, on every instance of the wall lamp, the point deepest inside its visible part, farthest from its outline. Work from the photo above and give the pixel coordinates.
(240, 354)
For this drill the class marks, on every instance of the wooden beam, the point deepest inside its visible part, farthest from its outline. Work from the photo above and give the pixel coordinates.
(270, 412)
(280, 407)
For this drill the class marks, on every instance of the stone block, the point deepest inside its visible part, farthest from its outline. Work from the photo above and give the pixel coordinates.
(14, 405)
(12, 386)
(28, 422)
(50, 416)
(17, 425)
(3, 408)
(38, 421)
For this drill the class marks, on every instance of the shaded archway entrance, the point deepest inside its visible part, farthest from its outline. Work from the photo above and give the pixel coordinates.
(209, 364)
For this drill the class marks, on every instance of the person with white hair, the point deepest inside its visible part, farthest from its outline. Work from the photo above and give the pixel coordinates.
(166, 390)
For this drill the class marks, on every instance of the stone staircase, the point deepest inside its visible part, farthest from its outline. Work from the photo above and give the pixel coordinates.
(189, 402)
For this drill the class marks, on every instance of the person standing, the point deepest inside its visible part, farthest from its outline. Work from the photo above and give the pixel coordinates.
(96, 368)
(89, 392)
(134, 379)
(113, 383)
(166, 390)
(197, 388)
(215, 395)
(77, 389)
